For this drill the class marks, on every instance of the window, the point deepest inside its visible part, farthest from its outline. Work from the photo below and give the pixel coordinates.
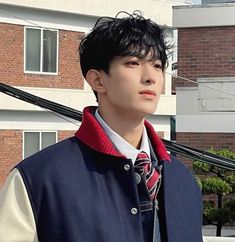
(35, 141)
(41, 50)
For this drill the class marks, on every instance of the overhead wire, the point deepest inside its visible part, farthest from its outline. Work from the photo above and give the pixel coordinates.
(25, 20)
(47, 105)
(203, 85)
(171, 146)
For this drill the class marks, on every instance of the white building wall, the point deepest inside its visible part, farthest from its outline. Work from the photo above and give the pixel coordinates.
(204, 15)
(161, 124)
(191, 117)
(160, 11)
(46, 19)
(31, 120)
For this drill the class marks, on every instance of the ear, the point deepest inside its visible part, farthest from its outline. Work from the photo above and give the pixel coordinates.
(94, 78)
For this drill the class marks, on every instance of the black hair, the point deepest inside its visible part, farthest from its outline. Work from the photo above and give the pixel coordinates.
(132, 35)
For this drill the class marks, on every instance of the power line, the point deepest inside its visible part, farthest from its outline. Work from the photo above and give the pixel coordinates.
(61, 116)
(25, 20)
(203, 85)
(32, 23)
(171, 146)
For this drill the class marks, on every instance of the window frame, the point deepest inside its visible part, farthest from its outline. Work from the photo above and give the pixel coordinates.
(41, 51)
(40, 138)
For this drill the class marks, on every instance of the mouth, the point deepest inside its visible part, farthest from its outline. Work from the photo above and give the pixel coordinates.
(148, 93)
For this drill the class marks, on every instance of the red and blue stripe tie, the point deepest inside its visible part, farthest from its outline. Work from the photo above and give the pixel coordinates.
(144, 165)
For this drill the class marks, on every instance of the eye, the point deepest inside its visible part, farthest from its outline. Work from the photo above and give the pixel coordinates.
(132, 63)
(157, 65)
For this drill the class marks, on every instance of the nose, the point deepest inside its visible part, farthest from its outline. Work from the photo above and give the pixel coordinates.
(148, 74)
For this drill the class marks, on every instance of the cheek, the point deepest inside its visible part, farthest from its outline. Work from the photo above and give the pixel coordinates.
(161, 85)
(122, 84)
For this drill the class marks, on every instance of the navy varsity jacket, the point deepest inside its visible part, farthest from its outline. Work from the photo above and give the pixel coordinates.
(80, 191)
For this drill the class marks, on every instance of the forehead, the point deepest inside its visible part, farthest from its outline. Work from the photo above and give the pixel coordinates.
(143, 52)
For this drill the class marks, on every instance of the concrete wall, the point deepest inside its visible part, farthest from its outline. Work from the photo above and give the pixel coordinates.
(204, 15)
(217, 1)
(159, 11)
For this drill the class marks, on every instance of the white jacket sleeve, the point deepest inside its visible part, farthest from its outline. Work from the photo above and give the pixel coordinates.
(16, 216)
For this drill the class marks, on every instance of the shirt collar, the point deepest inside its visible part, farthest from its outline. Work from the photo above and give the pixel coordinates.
(122, 145)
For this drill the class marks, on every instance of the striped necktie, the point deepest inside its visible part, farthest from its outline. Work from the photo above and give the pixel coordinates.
(144, 166)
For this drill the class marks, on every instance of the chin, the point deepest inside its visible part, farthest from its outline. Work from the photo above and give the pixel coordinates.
(148, 108)
(147, 111)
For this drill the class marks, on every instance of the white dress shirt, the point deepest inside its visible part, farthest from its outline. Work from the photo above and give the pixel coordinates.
(122, 145)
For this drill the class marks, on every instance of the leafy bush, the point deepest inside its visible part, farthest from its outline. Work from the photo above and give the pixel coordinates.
(221, 182)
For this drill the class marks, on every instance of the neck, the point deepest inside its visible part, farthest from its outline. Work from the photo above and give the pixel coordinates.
(130, 129)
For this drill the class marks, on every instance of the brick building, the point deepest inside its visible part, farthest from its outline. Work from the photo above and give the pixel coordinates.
(206, 55)
(25, 128)
(38, 54)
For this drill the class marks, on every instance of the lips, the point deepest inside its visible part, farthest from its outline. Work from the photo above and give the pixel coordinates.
(148, 92)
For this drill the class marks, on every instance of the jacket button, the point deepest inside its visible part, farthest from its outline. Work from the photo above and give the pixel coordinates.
(127, 167)
(138, 178)
(134, 211)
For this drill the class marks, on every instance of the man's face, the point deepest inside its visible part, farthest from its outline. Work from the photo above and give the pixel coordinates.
(133, 86)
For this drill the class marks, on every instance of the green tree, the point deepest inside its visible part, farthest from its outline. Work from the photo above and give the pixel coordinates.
(221, 182)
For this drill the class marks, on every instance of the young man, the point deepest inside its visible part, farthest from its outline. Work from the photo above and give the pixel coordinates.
(114, 180)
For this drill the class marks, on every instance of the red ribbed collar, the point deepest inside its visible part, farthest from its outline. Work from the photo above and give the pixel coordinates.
(92, 134)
